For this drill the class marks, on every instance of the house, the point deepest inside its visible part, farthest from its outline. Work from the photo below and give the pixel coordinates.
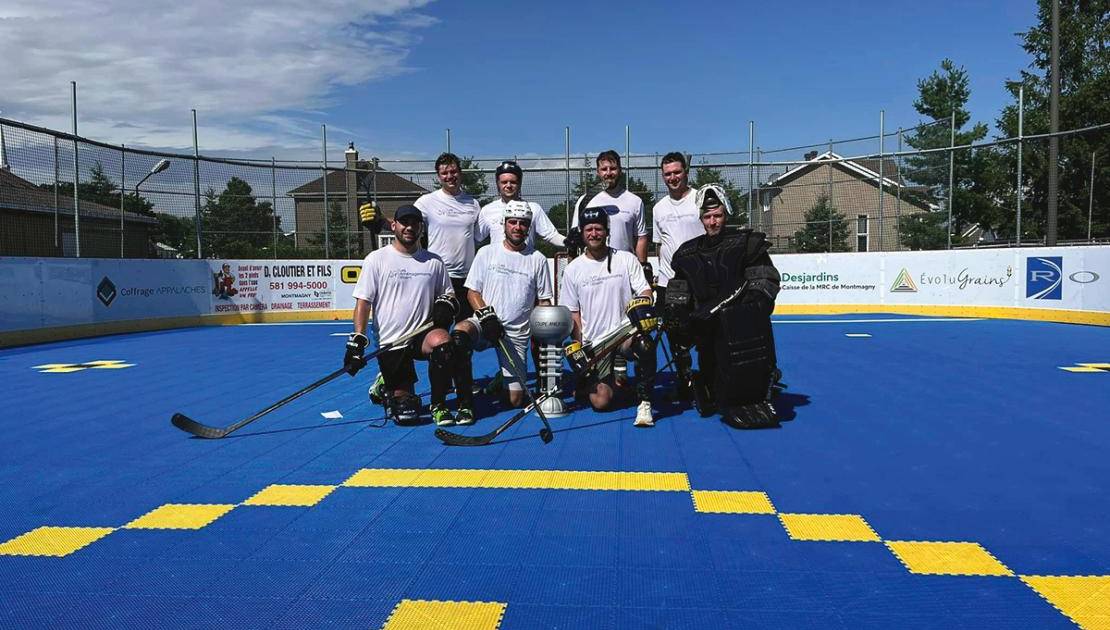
(853, 188)
(348, 189)
(36, 222)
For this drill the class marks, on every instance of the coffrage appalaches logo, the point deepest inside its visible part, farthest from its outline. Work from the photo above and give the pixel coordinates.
(1044, 277)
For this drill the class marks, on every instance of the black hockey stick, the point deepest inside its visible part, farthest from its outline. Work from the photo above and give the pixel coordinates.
(187, 424)
(545, 433)
(612, 340)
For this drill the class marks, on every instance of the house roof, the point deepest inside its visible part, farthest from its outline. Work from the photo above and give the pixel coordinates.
(866, 169)
(387, 183)
(17, 193)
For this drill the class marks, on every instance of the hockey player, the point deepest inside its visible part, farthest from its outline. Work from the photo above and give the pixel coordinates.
(509, 177)
(674, 218)
(602, 287)
(506, 280)
(720, 299)
(404, 286)
(451, 217)
(628, 230)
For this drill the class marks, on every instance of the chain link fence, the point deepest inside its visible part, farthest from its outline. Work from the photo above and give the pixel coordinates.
(914, 188)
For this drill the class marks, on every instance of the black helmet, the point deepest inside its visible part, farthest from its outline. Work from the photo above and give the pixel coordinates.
(509, 166)
(599, 215)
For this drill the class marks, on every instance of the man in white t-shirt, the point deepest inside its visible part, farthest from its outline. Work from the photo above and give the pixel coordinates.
(675, 218)
(598, 287)
(506, 281)
(509, 177)
(404, 286)
(627, 226)
(451, 217)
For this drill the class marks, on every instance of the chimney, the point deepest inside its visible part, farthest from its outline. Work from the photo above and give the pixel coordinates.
(811, 155)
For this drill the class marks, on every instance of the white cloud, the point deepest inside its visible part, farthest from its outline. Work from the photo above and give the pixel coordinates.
(253, 69)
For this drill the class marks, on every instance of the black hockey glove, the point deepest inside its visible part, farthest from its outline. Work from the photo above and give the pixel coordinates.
(353, 360)
(578, 356)
(649, 273)
(492, 328)
(574, 242)
(444, 310)
(642, 314)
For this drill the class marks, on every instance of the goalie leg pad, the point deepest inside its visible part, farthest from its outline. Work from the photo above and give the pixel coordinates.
(745, 356)
(758, 415)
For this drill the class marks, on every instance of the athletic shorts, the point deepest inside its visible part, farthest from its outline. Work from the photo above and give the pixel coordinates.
(518, 344)
(397, 366)
(461, 293)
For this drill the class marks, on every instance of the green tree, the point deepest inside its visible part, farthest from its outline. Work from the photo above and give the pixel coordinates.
(178, 232)
(99, 188)
(924, 230)
(337, 235)
(976, 172)
(236, 225)
(822, 219)
(705, 175)
(1084, 86)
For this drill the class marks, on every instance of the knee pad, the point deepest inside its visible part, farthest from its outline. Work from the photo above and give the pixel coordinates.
(642, 347)
(464, 345)
(442, 355)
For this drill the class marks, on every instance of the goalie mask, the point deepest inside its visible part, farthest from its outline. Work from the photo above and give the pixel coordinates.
(517, 209)
(711, 196)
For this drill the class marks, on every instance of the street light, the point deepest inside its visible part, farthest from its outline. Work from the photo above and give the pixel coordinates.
(158, 168)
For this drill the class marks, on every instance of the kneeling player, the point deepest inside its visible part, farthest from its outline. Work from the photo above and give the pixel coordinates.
(506, 280)
(602, 287)
(720, 300)
(400, 284)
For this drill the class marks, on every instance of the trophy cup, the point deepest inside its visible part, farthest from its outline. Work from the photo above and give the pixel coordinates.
(550, 326)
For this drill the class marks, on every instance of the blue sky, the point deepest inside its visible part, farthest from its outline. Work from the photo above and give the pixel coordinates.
(505, 77)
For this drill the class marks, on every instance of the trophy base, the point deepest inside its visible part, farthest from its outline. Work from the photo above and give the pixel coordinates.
(553, 407)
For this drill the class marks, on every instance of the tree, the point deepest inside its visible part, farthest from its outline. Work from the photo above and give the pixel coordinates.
(705, 175)
(974, 202)
(99, 188)
(1084, 85)
(337, 234)
(822, 219)
(235, 224)
(924, 230)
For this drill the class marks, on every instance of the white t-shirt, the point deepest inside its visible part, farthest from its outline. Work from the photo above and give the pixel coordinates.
(510, 282)
(672, 224)
(450, 223)
(401, 289)
(626, 226)
(491, 223)
(599, 295)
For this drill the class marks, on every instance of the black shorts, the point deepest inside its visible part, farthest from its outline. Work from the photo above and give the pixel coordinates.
(397, 366)
(461, 293)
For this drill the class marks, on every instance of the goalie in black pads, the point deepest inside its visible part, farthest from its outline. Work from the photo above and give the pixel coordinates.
(405, 286)
(720, 300)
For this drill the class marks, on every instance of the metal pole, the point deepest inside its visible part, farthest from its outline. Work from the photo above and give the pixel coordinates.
(751, 172)
(627, 155)
(898, 190)
(655, 181)
(327, 231)
(566, 142)
(56, 245)
(951, 174)
(196, 186)
(273, 200)
(829, 201)
(1021, 131)
(882, 170)
(448, 130)
(76, 179)
(122, 192)
(1091, 197)
(1053, 127)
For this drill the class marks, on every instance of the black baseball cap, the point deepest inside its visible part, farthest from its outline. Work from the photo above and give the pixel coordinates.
(407, 211)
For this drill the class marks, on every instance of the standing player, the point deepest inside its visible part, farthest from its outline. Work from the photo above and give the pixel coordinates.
(509, 178)
(596, 288)
(451, 216)
(506, 280)
(627, 228)
(675, 218)
(400, 285)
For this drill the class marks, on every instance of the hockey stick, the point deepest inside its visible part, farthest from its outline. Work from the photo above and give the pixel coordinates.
(545, 433)
(611, 341)
(187, 424)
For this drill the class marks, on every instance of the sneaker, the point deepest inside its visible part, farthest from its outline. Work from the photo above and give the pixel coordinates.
(643, 415)
(442, 415)
(464, 416)
(377, 390)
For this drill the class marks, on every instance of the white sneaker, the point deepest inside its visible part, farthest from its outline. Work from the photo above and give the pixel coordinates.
(643, 416)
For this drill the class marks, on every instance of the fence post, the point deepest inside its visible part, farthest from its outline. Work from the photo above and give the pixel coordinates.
(882, 170)
(951, 174)
(627, 155)
(1021, 130)
(898, 191)
(76, 179)
(751, 165)
(196, 187)
(122, 192)
(1091, 197)
(566, 142)
(57, 229)
(448, 132)
(327, 231)
(829, 201)
(1053, 128)
(273, 200)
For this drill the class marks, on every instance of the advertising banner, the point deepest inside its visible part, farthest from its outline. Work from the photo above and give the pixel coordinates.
(239, 286)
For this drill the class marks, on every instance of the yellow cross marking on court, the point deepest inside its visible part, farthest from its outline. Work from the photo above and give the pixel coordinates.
(1087, 367)
(416, 613)
(65, 368)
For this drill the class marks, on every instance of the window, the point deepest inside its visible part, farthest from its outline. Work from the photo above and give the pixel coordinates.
(861, 232)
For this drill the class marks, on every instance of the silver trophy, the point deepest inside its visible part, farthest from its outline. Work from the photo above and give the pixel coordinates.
(550, 326)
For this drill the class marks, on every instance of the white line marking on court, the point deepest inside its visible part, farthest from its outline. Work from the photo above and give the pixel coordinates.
(876, 321)
(331, 415)
(861, 335)
(300, 324)
(338, 335)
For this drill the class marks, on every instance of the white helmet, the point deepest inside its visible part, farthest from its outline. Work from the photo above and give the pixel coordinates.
(712, 195)
(517, 209)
